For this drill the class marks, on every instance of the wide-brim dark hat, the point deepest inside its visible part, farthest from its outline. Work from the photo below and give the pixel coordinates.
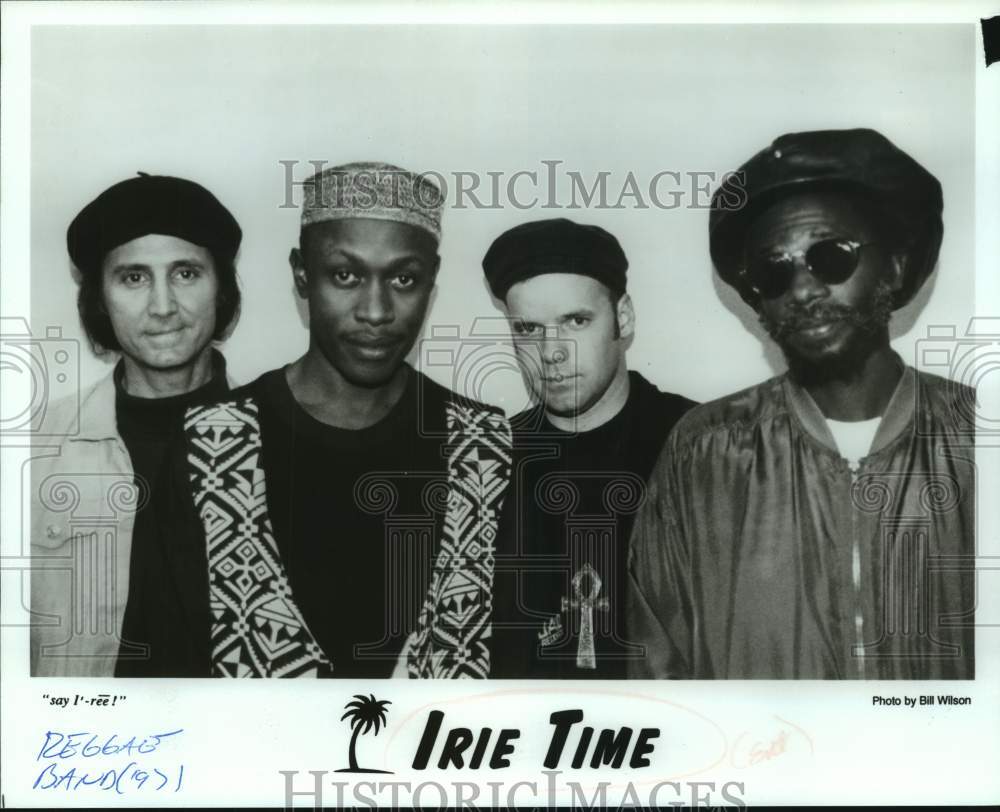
(151, 204)
(860, 161)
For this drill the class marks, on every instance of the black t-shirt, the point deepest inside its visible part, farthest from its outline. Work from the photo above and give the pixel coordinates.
(355, 515)
(148, 427)
(355, 519)
(563, 539)
(147, 424)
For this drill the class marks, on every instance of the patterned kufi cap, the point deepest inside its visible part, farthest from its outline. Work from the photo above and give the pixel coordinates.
(371, 190)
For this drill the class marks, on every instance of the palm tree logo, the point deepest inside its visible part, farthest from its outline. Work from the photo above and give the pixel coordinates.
(366, 713)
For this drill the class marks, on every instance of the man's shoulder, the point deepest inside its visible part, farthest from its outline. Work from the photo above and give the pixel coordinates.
(528, 422)
(431, 393)
(256, 387)
(448, 414)
(944, 390)
(70, 414)
(653, 398)
(240, 404)
(68, 410)
(945, 400)
(740, 411)
(88, 414)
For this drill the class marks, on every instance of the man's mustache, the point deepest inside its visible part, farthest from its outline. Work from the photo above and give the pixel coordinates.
(871, 317)
(806, 317)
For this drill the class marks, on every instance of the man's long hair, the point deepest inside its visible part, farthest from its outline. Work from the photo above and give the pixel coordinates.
(97, 324)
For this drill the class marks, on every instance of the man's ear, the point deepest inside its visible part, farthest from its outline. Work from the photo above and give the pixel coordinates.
(299, 275)
(896, 275)
(626, 316)
(98, 277)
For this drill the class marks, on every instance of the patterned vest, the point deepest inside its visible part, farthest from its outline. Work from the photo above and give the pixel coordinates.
(257, 628)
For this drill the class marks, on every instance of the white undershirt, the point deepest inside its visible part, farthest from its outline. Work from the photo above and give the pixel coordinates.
(854, 440)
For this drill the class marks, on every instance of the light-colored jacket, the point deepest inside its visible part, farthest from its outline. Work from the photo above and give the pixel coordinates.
(84, 497)
(83, 502)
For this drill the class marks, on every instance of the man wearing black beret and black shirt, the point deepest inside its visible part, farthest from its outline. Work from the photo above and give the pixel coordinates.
(815, 526)
(158, 287)
(582, 454)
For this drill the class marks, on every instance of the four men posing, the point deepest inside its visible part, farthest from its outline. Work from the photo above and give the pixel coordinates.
(346, 516)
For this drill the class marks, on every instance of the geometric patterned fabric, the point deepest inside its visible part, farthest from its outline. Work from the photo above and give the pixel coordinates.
(453, 633)
(257, 628)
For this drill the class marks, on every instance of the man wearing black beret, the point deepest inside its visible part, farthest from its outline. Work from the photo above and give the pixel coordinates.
(157, 287)
(582, 454)
(797, 529)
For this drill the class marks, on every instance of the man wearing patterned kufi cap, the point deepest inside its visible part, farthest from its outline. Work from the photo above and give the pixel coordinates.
(340, 510)
(798, 529)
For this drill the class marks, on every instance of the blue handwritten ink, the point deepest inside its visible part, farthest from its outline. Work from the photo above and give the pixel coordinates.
(159, 736)
(63, 746)
(121, 775)
(110, 779)
(59, 747)
(46, 751)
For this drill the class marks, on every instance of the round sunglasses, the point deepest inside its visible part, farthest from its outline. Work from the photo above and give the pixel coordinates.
(831, 261)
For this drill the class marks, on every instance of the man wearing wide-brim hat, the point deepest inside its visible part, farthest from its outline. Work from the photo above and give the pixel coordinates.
(796, 529)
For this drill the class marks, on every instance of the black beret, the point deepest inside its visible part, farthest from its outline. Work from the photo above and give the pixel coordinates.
(151, 204)
(554, 246)
(862, 161)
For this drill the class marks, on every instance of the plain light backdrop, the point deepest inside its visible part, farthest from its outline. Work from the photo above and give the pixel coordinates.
(225, 105)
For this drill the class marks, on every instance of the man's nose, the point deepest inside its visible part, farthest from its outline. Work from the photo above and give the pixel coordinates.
(162, 300)
(554, 348)
(375, 305)
(805, 285)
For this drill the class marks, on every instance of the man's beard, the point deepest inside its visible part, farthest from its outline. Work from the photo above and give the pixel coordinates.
(869, 335)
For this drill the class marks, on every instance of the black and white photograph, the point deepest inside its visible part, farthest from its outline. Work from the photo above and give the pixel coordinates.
(602, 407)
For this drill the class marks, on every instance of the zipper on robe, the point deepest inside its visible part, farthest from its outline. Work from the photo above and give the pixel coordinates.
(859, 621)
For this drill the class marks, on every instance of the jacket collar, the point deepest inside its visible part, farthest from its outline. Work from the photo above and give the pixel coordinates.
(97, 411)
(98, 417)
(897, 418)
